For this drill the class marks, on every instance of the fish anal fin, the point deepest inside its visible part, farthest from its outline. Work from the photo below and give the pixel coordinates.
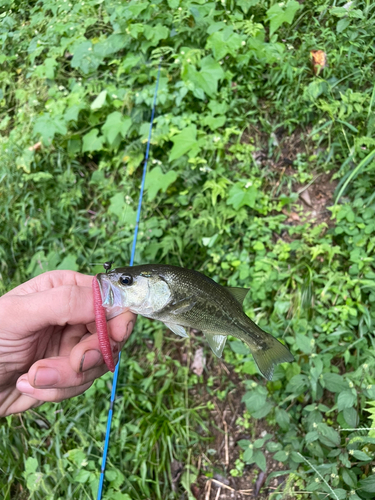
(216, 342)
(177, 329)
(238, 293)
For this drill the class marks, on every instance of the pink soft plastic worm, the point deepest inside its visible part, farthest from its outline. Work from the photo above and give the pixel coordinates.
(101, 326)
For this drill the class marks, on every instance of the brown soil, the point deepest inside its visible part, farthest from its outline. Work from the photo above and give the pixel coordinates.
(214, 480)
(314, 197)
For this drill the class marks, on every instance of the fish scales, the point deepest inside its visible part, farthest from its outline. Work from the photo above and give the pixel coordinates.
(183, 298)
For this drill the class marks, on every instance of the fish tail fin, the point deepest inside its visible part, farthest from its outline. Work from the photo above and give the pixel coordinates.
(269, 355)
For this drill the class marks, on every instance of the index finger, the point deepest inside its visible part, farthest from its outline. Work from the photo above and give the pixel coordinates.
(63, 305)
(52, 279)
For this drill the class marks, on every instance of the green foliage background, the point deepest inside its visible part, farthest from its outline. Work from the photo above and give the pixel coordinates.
(79, 78)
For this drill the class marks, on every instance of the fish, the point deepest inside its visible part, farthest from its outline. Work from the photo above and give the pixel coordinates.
(184, 298)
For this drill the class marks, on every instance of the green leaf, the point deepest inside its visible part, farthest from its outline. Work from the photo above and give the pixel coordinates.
(207, 79)
(31, 465)
(248, 455)
(328, 436)
(47, 127)
(246, 4)
(282, 418)
(121, 209)
(262, 412)
(85, 59)
(156, 181)
(351, 417)
(254, 400)
(297, 384)
(340, 493)
(334, 382)
(99, 101)
(304, 343)
(349, 477)
(240, 196)
(281, 456)
(346, 399)
(260, 460)
(91, 141)
(368, 484)
(183, 142)
(69, 262)
(361, 455)
(239, 347)
(115, 124)
(278, 14)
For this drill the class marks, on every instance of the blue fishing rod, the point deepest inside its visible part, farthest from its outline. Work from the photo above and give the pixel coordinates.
(115, 375)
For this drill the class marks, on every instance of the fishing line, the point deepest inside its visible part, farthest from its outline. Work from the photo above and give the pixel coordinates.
(115, 375)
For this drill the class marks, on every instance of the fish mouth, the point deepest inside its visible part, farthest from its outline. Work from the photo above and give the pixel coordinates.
(113, 299)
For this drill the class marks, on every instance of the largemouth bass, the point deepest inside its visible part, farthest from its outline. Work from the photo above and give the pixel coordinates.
(183, 298)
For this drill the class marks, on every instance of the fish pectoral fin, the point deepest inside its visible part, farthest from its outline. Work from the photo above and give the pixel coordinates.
(181, 306)
(216, 342)
(177, 329)
(238, 293)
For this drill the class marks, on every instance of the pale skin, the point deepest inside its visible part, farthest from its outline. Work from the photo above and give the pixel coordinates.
(49, 349)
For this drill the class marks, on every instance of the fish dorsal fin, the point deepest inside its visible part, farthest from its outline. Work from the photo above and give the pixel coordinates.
(216, 342)
(238, 293)
(177, 329)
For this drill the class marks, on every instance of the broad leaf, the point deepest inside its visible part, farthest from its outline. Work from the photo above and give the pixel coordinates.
(91, 141)
(156, 181)
(183, 142)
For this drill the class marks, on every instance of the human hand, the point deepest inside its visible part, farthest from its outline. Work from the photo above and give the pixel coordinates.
(49, 349)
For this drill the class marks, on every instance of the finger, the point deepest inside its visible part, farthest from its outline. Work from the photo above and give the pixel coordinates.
(52, 279)
(22, 403)
(119, 328)
(84, 355)
(56, 373)
(53, 395)
(68, 304)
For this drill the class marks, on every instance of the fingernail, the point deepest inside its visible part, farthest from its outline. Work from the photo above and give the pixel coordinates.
(24, 386)
(129, 329)
(90, 359)
(46, 377)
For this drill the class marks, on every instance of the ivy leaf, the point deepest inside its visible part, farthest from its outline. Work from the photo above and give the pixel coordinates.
(209, 75)
(91, 141)
(278, 14)
(85, 58)
(246, 4)
(115, 124)
(240, 196)
(183, 142)
(47, 127)
(156, 33)
(156, 181)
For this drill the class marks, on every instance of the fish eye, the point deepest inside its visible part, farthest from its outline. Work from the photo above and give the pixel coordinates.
(126, 280)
